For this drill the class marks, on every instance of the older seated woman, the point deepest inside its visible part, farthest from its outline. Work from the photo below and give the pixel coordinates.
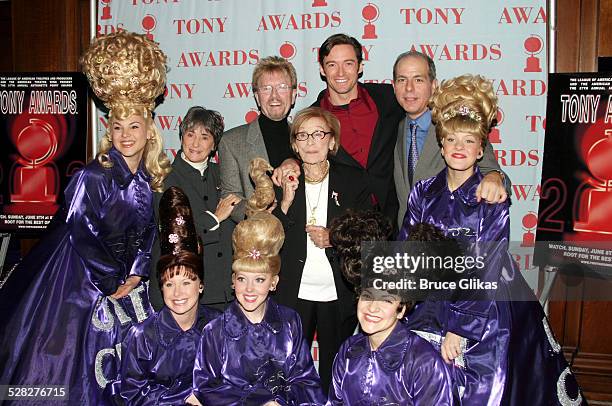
(310, 281)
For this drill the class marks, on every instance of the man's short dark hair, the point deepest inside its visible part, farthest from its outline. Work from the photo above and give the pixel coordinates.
(340, 39)
(416, 54)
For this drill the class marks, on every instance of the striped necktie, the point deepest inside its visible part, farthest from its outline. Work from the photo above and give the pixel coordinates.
(413, 152)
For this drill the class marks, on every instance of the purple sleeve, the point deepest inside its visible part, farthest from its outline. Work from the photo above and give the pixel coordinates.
(431, 380)
(469, 316)
(136, 387)
(336, 397)
(86, 193)
(303, 385)
(142, 261)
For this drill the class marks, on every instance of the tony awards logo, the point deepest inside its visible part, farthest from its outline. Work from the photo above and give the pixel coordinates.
(287, 50)
(370, 14)
(148, 24)
(251, 115)
(530, 221)
(106, 10)
(595, 192)
(34, 179)
(494, 136)
(533, 45)
(319, 3)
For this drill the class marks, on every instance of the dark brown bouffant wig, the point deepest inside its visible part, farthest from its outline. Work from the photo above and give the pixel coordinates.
(178, 239)
(258, 239)
(348, 231)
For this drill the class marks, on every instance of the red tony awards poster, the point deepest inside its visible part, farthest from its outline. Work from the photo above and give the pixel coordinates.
(43, 127)
(575, 213)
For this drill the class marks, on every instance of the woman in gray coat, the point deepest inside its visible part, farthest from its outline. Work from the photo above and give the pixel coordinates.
(195, 172)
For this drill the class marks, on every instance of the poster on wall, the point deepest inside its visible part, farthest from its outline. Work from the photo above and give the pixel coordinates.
(574, 220)
(43, 128)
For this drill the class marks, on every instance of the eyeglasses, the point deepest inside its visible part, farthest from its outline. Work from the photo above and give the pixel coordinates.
(282, 88)
(316, 135)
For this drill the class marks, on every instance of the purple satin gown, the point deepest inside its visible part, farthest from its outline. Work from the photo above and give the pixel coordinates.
(404, 371)
(62, 328)
(157, 359)
(241, 363)
(511, 355)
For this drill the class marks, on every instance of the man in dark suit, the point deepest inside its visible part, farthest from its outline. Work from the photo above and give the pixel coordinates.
(414, 81)
(368, 114)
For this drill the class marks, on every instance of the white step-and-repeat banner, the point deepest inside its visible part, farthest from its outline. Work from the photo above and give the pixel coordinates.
(213, 46)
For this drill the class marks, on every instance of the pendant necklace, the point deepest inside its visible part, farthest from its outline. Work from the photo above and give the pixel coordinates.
(312, 220)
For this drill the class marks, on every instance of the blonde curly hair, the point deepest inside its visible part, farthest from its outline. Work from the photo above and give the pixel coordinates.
(258, 239)
(467, 104)
(127, 72)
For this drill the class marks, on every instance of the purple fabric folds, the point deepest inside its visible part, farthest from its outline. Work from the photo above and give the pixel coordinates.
(511, 356)
(241, 363)
(61, 327)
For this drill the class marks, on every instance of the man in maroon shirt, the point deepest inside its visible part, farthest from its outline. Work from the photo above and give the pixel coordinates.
(369, 115)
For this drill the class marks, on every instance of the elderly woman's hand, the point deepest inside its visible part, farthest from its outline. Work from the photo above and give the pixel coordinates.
(225, 206)
(319, 236)
(289, 184)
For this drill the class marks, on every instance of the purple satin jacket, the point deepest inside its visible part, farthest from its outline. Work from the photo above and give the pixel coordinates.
(241, 363)
(157, 359)
(62, 327)
(511, 356)
(404, 371)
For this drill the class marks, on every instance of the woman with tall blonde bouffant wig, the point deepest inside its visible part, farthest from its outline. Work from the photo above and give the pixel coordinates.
(69, 303)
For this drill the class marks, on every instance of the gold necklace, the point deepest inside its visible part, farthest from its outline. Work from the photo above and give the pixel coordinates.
(314, 181)
(312, 220)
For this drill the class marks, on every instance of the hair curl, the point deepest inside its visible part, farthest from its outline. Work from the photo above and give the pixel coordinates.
(258, 239)
(125, 68)
(348, 231)
(127, 71)
(472, 91)
(176, 218)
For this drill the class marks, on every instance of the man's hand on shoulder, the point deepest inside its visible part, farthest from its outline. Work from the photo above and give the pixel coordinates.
(492, 188)
(289, 166)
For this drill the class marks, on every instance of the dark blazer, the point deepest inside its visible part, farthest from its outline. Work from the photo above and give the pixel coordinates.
(379, 170)
(350, 192)
(203, 193)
